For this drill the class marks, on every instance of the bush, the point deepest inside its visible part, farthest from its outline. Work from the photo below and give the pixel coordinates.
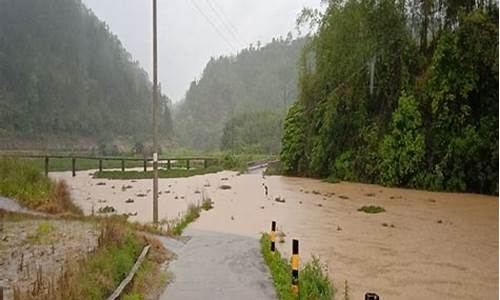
(403, 149)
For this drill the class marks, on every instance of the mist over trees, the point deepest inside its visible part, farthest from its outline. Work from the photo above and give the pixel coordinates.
(240, 88)
(62, 72)
(431, 120)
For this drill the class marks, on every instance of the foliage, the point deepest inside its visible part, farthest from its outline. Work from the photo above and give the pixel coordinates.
(252, 132)
(314, 283)
(371, 209)
(431, 119)
(294, 139)
(23, 181)
(403, 149)
(240, 88)
(62, 72)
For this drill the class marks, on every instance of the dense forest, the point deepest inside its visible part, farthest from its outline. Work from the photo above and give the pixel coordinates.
(62, 72)
(429, 117)
(241, 89)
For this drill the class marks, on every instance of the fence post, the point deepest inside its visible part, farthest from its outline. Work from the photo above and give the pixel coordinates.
(123, 165)
(168, 164)
(272, 236)
(295, 267)
(46, 169)
(145, 166)
(187, 164)
(100, 165)
(73, 166)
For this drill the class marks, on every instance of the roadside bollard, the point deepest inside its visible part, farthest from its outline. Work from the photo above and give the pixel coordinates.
(272, 236)
(371, 296)
(295, 267)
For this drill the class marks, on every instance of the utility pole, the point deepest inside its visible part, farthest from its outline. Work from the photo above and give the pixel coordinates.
(155, 118)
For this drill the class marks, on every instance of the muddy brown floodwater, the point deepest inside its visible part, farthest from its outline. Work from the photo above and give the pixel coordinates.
(427, 245)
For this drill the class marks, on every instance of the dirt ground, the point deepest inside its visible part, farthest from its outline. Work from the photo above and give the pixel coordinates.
(426, 245)
(34, 248)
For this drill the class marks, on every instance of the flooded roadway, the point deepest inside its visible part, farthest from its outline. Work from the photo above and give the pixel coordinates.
(426, 245)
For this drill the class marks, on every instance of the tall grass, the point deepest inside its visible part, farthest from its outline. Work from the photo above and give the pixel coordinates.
(23, 181)
(314, 284)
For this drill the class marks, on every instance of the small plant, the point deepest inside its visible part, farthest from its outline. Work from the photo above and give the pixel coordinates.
(281, 237)
(313, 281)
(176, 226)
(207, 203)
(371, 209)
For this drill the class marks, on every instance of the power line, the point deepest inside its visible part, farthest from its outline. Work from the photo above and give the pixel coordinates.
(213, 25)
(224, 21)
(224, 15)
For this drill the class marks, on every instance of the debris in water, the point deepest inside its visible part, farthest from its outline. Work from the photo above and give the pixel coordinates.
(339, 228)
(101, 183)
(320, 205)
(316, 192)
(279, 199)
(370, 194)
(129, 200)
(440, 221)
(225, 187)
(101, 201)
(262, 207)
(300, 202)
(141, 195)
(343, 197)
(107, 209)
(224, 178)
(232, 218)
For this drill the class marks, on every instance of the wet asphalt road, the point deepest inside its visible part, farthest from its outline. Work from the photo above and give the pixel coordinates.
(218, 266)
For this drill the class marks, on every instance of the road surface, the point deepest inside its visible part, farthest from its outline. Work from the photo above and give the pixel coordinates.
(218, 266)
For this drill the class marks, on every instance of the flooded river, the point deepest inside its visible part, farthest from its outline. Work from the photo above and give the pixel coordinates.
(426, 245)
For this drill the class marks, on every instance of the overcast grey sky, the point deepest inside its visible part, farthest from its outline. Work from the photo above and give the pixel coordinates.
(186, 35)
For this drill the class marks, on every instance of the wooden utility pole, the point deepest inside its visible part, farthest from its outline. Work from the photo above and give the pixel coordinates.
(155, 118)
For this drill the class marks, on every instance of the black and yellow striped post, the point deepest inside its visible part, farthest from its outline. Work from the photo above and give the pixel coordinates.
(295, 267)
(272, 236)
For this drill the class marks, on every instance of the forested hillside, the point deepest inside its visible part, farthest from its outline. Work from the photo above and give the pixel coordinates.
(431, 120)
(62, 72)
(257, 79)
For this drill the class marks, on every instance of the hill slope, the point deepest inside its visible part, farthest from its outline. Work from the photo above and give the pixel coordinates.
(257, 79)
(62, 72)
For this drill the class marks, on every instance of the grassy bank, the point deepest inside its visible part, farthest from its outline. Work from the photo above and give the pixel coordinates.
(23, 181)
(162, 173)
(314, 284)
